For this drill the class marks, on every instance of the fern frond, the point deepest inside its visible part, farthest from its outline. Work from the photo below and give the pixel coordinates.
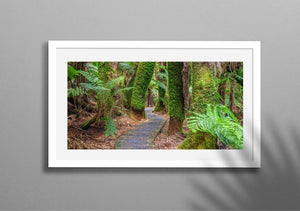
(162, 86)
(110, 127)
(87, 75)
(162, 76)
(215, 122)
(127, 66)
(92, 66)
(226, 110)
(114, 82)
(119, 91)
(76, 92)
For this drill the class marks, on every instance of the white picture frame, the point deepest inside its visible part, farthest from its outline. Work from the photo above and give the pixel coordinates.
(61, 52)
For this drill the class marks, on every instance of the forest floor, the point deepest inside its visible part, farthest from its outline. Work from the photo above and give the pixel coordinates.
(94, 137)
(163, 141)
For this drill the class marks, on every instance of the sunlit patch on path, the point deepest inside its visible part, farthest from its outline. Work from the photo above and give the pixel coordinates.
(142, 137)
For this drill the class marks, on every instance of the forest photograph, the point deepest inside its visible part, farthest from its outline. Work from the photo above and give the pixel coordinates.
(162, 105)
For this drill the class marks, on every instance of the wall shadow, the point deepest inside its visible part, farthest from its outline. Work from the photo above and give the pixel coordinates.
(269, 188)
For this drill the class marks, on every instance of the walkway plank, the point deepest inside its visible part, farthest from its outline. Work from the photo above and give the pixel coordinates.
(143, 135)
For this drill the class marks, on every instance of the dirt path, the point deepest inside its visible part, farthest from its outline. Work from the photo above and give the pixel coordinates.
(142, 137)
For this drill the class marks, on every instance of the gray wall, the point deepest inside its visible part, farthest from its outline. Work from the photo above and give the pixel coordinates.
(25, 181)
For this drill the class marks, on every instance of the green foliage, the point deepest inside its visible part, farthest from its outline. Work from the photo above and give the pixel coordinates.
(100, 89)
(108, 72)
(162, 80)
(127, 67)
(142, 80)
(94, 82)
(92, 66)
(219, 122)
(76, 91)
(175, 89)
(162, 76)
(128, 93)
(105, 91)
(92, 76)
(72, 73)
(110, 127)
(95, 67)
(239, 76)
(119, 110)
(111, 84)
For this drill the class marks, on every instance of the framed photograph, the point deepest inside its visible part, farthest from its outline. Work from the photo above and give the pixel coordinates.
(154, 104)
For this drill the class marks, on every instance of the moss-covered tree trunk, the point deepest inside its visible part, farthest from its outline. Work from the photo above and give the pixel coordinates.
(129, 82)
(176, 100)
(186, 79)
(204, 92)
(141, 82)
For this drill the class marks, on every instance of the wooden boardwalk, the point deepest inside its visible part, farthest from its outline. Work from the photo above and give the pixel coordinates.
(142, 137)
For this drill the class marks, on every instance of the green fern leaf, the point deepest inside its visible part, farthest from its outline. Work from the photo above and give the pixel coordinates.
(110, 127)
(220, 122)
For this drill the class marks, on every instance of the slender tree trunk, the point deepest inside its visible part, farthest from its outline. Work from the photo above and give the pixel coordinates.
(176, 100)
(114, 65)
(148, 104)
(232, 105)
(160, 102)
(141, 83)
(204, 92)
(129, 83)
(186, 84)
(221, 91)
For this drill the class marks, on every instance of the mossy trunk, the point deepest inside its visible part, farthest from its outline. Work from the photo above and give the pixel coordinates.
(204, 92)
(128, 93)
(176, 100)
(129, 83)
(141, 83)
(186, 79)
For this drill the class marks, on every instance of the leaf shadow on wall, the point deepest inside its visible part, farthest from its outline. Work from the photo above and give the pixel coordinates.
(275, 185)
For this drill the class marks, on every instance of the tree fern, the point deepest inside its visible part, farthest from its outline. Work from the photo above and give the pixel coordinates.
(127, 66)
(92, 66)
(75, 92)
(92, 76)
(98, 89)
(114, 82)
(219, 122)
(110, 127)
